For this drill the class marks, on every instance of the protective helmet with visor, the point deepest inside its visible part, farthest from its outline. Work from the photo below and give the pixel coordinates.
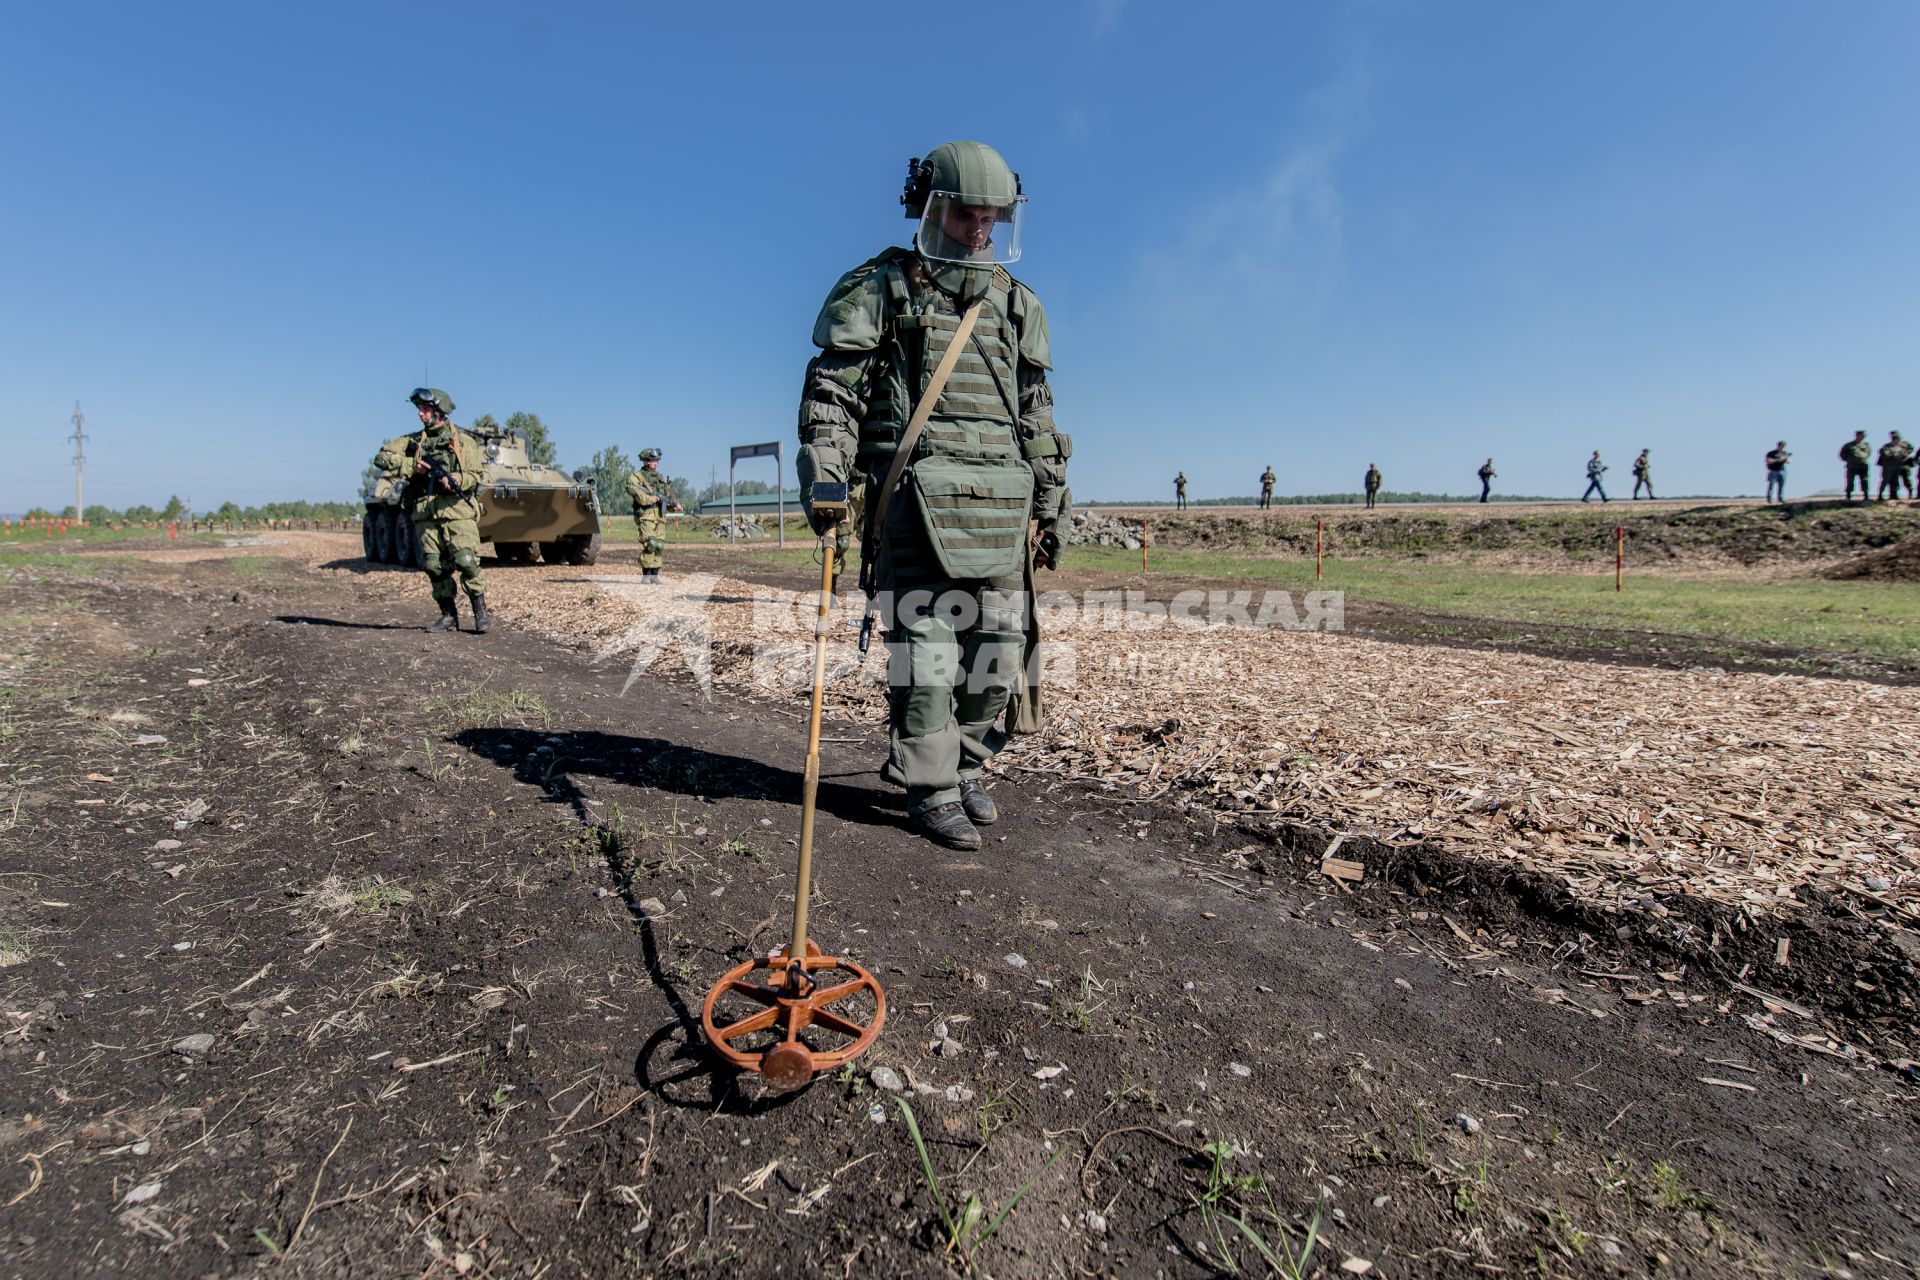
(968, 203)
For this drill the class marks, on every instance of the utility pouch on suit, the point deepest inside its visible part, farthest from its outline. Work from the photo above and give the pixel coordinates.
(974, 514)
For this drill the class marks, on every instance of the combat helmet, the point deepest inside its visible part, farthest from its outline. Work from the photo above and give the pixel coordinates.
(649, 455)
(431, 398)
(968, 202)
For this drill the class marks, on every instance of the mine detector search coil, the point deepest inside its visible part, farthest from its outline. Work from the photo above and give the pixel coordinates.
(786, 1028)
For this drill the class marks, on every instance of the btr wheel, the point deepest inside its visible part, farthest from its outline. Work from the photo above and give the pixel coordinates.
(582, 548)
(366, 536)
(383, 535)
(406, 542)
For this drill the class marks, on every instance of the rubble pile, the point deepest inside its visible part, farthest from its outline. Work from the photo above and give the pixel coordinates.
(738, 528)
(1091, 528)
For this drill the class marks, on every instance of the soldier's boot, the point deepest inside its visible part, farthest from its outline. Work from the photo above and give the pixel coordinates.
(449, 619)
(482, 616)
(979, 806)
(947, 825)
(650, 577)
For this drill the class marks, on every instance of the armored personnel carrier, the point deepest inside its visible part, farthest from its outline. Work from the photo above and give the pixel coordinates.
(523, 505)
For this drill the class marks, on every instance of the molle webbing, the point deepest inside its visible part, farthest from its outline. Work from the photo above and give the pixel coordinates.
(970, 418)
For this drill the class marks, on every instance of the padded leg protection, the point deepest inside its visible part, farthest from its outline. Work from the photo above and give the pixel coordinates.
(923, 666)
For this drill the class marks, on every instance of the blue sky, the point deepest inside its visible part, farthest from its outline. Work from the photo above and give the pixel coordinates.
(1411, 232)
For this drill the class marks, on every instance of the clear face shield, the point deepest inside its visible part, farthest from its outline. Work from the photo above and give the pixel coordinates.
(961, 228)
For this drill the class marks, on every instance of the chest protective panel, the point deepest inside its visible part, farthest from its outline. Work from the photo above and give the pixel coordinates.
(970, 483)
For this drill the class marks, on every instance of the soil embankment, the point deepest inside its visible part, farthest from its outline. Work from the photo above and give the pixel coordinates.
(1746, 535)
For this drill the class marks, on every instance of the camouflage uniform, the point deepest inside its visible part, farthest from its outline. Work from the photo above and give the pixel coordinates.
(1180, 492)
(1643, 475)
(1896, 456)
(1856, 454)
(651, 494)
(447, 523)
(1371, 484)
(1266, 487)
(957, 526)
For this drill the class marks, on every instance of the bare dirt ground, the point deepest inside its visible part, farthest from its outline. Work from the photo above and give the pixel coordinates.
(331, 946)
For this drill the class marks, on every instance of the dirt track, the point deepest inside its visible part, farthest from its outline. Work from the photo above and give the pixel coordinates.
(444, 904)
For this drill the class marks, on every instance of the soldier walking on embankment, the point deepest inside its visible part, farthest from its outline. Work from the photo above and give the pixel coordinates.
(1595, 469)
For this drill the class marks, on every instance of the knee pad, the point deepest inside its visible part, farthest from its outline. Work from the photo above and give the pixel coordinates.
(431, 562)
(466, 561)
(653, 546)
(924, 710)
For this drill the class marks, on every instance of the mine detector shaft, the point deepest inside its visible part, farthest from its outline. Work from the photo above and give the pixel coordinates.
(757, 1025)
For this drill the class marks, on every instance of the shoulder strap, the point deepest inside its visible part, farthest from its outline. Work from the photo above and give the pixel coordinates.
(922, 411)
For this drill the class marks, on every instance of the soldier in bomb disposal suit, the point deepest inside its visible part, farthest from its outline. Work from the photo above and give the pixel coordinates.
(441, 468)
(950, 521)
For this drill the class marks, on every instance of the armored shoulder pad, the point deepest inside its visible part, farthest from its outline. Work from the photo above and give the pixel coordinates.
(854, 316)
(1030, 321)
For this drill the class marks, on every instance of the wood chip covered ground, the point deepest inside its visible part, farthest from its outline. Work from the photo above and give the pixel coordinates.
(1629, 783)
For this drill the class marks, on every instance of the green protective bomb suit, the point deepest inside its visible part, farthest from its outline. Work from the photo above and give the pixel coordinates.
(988, 462)
(651, 494)
(447, 523)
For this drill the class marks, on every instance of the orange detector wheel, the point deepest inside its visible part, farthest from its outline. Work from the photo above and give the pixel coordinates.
(784, 1028)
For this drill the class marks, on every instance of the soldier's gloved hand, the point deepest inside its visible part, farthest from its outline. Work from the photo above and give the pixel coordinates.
(1048, 546)
(822, 523)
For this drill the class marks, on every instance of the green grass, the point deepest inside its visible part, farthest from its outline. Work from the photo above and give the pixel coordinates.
(14, 555)
(92, 535)
(1874, 619)
(492, 709)
(965, 1224)
(261, 566)
(375, 895)
(14, 948)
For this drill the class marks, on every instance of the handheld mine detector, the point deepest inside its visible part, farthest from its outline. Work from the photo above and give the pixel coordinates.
(788, 1027)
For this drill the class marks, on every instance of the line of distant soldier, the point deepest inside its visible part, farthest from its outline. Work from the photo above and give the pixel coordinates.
(1896, 460)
